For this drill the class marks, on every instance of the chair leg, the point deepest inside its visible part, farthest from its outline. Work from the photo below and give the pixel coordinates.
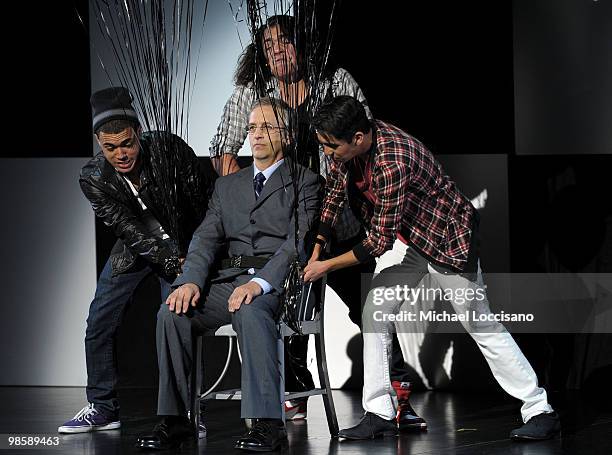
(195, 384)
(328, 400)
(280, 343)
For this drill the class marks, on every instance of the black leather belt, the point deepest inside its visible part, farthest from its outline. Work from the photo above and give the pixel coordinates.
(256, 262)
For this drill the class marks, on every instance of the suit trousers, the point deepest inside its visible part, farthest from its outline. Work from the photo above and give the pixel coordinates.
(507, 363)
(256, 327)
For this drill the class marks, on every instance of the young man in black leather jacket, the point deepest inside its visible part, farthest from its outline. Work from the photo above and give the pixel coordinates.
(150, 190)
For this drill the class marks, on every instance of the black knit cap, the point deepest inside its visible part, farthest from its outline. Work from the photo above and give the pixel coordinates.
(111, 104)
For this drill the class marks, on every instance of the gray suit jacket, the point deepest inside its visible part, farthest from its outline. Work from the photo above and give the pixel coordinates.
(262, 227)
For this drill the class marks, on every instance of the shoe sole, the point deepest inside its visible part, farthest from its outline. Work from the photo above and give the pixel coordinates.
(259, 449)
(531, 438)
(89, 428)
(376, 436)
(180, 445)
(152, 447)
(295, 415)
(413, 426)
(187, 443)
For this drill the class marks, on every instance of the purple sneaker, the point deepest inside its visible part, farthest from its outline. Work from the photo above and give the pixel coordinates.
(89, 419)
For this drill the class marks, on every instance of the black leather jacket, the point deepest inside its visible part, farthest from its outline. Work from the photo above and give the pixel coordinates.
(112, 201)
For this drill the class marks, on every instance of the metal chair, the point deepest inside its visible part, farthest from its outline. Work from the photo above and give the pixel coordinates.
(312, 323)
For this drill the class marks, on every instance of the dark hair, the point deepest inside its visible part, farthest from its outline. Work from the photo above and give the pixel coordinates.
(116, 126)
(253, 60)
(342, 117)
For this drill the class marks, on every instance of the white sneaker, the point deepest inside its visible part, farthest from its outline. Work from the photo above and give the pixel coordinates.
(296, 409)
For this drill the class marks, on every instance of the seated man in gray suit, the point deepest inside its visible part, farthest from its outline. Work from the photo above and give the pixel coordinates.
(256, 220)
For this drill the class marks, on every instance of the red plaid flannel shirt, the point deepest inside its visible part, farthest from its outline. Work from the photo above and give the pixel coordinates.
(414, 197)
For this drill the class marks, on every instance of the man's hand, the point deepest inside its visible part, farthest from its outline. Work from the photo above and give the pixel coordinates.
(317, 249)
(315, 270)
(182, 297)
(243, 294)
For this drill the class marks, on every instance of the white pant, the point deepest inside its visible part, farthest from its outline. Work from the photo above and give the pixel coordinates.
(508, 364)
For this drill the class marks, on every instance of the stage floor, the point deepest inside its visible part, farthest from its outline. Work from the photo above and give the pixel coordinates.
(466, 423)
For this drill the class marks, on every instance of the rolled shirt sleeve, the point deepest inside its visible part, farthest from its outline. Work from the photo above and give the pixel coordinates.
(335, 197)
(345, 84)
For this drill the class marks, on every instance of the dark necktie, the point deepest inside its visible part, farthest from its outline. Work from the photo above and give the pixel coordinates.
(258, 184)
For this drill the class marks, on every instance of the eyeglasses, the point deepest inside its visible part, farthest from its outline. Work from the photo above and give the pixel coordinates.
(265, 127)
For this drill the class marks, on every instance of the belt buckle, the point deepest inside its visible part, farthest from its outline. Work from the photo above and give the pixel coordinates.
(236, 261)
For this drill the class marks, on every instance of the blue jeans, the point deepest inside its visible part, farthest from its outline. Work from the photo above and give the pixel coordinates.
(105, 314)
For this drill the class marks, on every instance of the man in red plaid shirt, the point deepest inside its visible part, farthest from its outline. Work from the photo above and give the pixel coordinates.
(421, 229)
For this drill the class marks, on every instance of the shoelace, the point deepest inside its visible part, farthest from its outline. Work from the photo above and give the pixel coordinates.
(161, 428)
(261, 428)
(84, 413)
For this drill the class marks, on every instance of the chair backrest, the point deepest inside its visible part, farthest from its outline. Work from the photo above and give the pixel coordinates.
(310, 305)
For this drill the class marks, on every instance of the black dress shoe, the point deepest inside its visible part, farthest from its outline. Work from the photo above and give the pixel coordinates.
(170, 433)
(407, 418)
(371, 426)
(264, 436)
(540, 427)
